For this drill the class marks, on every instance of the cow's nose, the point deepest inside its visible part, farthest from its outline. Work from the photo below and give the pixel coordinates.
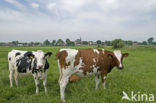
(40, 66)
(120, 67)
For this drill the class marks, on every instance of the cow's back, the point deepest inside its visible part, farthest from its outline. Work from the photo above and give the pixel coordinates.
(88, 55)
(14, 55)
(66, 57)
(76, 58)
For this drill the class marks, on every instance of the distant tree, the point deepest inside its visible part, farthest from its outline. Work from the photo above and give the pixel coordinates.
(117, 43)
(108, 43)
(53, 43)
(72, 43)
(68, 42)
(98, 42)
(25, 44)
(31, 43)
(46, 42)
(60, 42)
(15, 43)
(129, 42)
(150, 40)
(84, 42)
(36, 43)
(154, 43)
(144, 43)
(2, 43)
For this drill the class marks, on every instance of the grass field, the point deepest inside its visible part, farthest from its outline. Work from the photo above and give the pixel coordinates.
(139, 75)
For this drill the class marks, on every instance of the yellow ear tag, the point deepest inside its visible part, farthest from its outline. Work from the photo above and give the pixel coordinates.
(47, 56)
(31, 57)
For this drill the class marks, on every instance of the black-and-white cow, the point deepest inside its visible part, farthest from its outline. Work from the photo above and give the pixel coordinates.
(28, 63)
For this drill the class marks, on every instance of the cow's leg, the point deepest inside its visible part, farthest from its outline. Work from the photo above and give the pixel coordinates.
(45, 81)
(63, 83)
(97, 81)
(11, 75)
(103, 77)
(16, 77)
(36, 83)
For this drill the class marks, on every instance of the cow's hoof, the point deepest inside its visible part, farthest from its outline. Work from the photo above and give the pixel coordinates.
(37, 93)
(63, 101)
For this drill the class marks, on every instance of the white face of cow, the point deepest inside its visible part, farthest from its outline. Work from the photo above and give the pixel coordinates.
(120, 57)
(40, 57)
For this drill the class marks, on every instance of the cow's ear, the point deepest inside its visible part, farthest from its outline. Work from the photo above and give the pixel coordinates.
(48, 54)
(125, 54)
(30, 55)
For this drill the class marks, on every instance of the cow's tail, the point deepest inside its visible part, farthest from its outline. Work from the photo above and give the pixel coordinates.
(58, 55)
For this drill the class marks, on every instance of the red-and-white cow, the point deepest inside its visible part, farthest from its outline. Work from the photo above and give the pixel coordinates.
(84, 62)
(28, 63)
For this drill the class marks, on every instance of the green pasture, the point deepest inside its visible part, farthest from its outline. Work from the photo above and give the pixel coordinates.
(139, 75)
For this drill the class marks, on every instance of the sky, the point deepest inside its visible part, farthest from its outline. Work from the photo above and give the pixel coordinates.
(38, 20)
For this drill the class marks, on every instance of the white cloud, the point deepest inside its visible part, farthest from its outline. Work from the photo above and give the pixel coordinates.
(35, 5)
(108, 4)
(9, 15)
(53, 9)
(102, 19)
(16, 3)
(50, 6)
(72, 5)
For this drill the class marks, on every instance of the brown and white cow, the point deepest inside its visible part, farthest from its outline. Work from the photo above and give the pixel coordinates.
(84, 62)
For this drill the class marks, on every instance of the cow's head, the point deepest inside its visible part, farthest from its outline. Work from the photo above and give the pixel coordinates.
(119, 58)
(40, 57)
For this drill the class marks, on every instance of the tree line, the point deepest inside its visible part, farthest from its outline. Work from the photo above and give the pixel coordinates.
(116, 43)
